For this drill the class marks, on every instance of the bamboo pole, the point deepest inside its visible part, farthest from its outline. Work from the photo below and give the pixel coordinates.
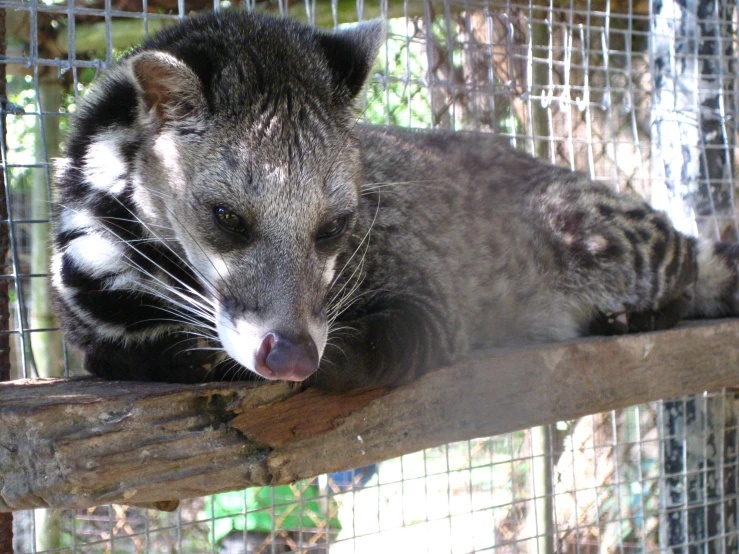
(46, 346)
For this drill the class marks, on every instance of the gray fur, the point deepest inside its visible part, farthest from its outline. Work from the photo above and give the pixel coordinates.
(453, 241)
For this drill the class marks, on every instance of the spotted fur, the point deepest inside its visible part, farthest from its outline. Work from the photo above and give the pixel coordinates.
(450, 242)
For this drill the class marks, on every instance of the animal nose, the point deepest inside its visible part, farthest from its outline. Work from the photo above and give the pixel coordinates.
(280, 358)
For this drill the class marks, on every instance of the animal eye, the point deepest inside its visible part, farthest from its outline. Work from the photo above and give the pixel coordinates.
(231, 222)
(333, 228)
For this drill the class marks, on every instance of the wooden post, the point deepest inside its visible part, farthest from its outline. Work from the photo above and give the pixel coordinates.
(46, 346)
(6, 520)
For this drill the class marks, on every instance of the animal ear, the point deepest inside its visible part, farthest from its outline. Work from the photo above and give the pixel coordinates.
(171, 90)
(351, 54)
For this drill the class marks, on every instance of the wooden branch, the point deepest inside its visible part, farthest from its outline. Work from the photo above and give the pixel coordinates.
(79, 443)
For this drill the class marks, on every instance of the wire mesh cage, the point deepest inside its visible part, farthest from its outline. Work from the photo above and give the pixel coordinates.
(637, 94)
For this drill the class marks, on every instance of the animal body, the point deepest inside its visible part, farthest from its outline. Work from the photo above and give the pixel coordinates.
(221, 214)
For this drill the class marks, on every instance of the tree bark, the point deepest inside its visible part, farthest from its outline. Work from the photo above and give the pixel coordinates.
(80, 443)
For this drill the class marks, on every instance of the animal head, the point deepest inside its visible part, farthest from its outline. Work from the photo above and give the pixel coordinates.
(248, 164)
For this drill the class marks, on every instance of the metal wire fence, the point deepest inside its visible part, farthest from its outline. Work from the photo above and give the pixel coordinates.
(638, 94)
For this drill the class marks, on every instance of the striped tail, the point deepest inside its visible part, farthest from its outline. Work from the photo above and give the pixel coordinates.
(717, 288)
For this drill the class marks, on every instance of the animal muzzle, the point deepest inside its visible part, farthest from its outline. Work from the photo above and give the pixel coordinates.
(281, 358)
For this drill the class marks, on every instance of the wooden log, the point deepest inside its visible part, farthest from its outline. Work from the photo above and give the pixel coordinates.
(79, 443)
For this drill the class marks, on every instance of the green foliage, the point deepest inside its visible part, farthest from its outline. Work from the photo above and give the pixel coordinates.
(396, 96)
(288, 507)
(21, 129)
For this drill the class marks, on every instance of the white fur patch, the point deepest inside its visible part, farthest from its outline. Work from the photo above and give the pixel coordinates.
(76, 220)
(60, 166)
(96, 255)
(56, 274)
(168, 153)
(319, 334)
(329, 271)
(240, 338)
(104, 166)
(210, 267)
(217, 268)
(166, 147)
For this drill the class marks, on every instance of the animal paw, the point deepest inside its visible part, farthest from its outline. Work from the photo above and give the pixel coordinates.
(614, 322)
